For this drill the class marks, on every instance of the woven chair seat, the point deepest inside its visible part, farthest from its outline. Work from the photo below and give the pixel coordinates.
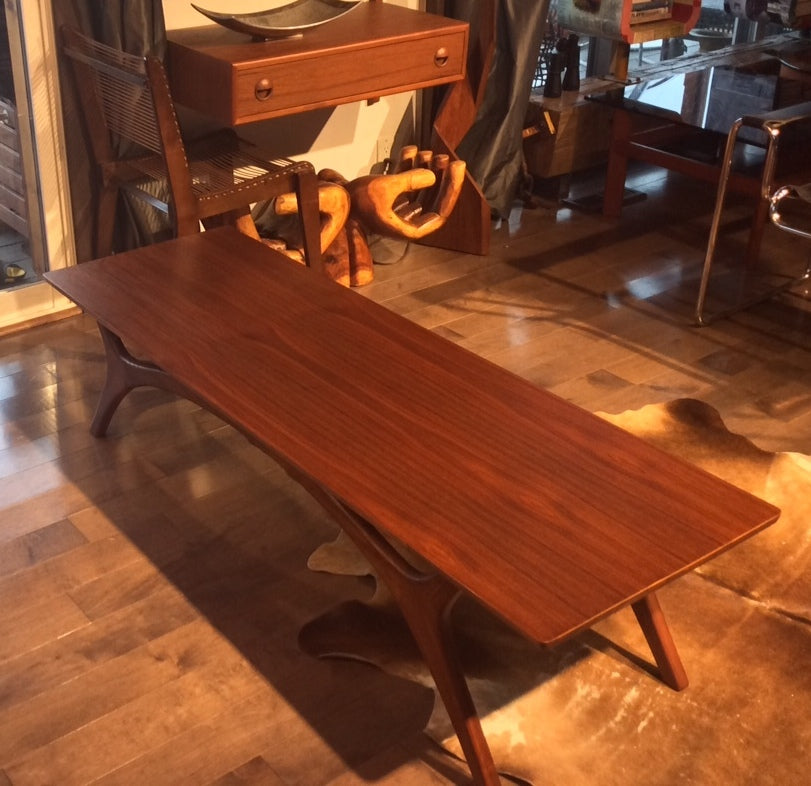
(229, 173)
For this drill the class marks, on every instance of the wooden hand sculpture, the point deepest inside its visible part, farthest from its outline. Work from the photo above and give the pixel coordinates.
(413, 201)
(349, 255)
(410, 202)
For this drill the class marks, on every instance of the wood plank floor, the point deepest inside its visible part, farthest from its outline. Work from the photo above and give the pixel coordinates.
(152, 584)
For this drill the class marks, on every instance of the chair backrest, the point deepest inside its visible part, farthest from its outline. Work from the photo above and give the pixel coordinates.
(126, 97)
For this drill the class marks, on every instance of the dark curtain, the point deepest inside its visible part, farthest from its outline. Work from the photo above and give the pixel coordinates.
(137, 27)
(493, 148)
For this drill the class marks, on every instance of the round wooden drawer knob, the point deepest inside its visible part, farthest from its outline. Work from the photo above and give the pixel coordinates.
(441, 57)
(263, 89)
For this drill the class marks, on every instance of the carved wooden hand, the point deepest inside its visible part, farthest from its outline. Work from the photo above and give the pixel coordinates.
(413, 201)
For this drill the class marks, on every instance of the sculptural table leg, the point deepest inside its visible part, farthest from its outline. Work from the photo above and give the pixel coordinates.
(125, 372)
(426, 601)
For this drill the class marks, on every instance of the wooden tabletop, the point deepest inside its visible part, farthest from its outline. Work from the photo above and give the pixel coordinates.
(549, 515)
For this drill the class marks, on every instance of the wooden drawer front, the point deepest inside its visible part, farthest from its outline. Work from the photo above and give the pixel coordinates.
(341, 77)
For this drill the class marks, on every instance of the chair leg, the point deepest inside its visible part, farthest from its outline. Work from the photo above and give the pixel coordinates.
(758, 221)
(187, 226)
(310, 217)
(723, 180)
(105, 216)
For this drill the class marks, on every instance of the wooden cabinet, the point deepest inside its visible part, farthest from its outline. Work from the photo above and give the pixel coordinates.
(571, 134)
(376, 49)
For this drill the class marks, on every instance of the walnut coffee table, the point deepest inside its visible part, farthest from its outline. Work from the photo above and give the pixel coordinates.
(547, 514)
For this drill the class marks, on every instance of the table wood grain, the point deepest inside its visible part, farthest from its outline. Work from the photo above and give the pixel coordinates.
(549, 515)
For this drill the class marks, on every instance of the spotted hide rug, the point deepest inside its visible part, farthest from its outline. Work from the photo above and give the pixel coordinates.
(589, 711)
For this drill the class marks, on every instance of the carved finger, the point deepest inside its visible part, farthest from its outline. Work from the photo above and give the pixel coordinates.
(374, 198)
(440, 162)
(336, 259)
(424, 159)
(361, 265)
(408, 156)
(331, 176)
(452, 181)
(430, 197)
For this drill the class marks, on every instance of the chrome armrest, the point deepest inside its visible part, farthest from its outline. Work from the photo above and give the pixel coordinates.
(801, 194)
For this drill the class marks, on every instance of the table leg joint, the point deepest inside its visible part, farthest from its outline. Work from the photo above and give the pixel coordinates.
(124, 373)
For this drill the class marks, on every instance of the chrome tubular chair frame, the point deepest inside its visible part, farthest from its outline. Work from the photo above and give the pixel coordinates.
(772, 124)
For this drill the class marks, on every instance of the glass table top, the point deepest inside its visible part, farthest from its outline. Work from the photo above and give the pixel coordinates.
(711, 99)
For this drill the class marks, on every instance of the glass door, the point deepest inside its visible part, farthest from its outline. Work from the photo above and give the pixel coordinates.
(35, 225)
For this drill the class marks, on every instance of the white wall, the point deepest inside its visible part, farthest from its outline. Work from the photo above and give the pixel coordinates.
(344, 138)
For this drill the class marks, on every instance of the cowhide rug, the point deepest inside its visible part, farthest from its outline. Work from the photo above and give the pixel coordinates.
(588, 712)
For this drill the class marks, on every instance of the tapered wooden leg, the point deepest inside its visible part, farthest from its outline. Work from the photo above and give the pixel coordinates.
(310, 218)
(124, 372)
(426, 601)
(759, 219)
(105, 218)
(652, 621)
(617, 167)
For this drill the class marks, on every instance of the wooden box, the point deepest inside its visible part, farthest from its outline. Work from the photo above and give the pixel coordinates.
(574, 135)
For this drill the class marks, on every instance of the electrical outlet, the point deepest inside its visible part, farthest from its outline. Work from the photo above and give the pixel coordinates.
(383, 148)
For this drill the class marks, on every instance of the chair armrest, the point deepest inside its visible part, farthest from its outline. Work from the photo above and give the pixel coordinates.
(777, 119)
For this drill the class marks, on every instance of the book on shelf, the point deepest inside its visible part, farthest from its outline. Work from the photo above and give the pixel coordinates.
(653, 15)
(637, 6)
(650, 11)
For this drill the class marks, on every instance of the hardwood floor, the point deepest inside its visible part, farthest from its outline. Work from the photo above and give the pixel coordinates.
(153, 583)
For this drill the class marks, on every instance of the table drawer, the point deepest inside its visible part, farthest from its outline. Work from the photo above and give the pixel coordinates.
(274, 89)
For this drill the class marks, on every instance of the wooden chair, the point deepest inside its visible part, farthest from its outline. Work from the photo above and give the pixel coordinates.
(128, 106)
